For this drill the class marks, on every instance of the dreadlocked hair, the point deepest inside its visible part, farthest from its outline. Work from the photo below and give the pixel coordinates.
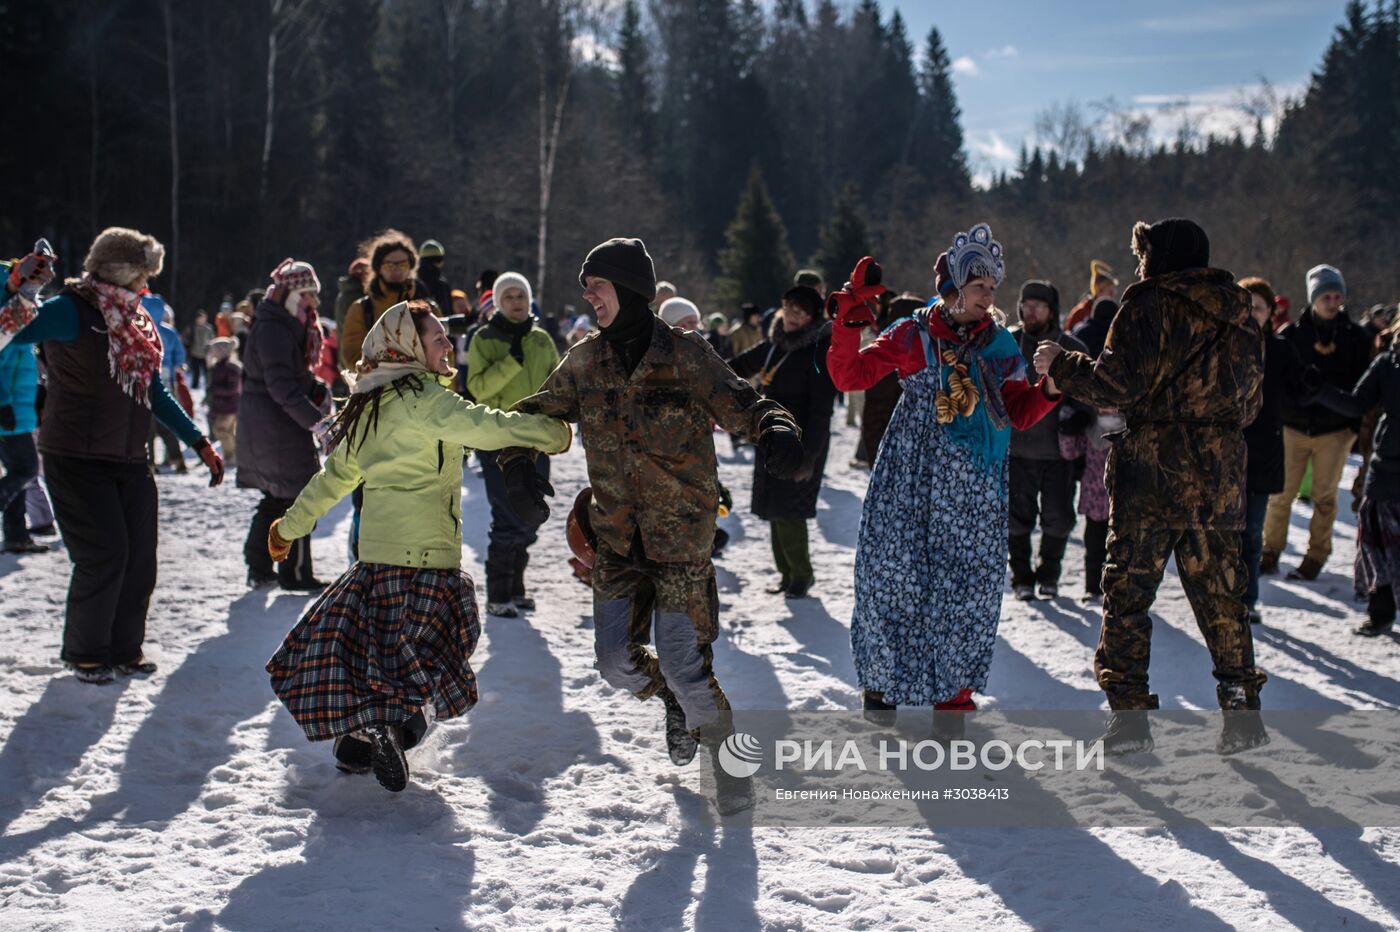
(362, 410)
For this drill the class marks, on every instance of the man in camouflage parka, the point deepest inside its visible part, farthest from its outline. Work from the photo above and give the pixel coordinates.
(1184, 364)
(645, 395)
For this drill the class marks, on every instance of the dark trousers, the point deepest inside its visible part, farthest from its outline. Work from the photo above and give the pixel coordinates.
(507, 553)
(1212, 574)
(791, 551)
(196, 370)
(107, 513)
(1095, 552)
(1380, 608)
(1256, 506)
(21, 462)
(291, 571)
(1039, 490)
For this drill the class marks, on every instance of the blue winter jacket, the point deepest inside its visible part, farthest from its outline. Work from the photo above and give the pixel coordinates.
(19, 387)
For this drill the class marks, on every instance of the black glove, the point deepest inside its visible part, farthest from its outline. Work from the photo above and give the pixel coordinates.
(318, 393)
(1077, 423)
(782, 452)
(7, 418)
(525, 489)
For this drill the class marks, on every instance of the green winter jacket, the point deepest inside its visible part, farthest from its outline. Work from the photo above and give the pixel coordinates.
(495, 378)
(411, 465)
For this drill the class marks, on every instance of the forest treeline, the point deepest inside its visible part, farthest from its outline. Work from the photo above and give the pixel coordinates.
(739, 139)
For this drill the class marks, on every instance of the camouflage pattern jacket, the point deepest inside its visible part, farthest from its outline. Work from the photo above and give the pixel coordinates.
(649, 437)
(1184, 364)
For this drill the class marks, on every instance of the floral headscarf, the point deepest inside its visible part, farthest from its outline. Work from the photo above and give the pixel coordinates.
(392, 350)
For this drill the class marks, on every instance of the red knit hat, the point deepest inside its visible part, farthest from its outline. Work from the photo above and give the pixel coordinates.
(292, 275)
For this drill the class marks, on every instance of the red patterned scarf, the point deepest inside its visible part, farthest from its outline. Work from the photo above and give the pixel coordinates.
(133, 345)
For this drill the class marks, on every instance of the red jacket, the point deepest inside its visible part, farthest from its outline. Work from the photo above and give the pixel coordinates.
(899, 350)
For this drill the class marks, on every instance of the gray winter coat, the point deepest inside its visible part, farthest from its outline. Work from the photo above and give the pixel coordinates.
(276, 452)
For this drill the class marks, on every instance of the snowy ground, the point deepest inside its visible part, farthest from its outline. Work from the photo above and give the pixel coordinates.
(191, 800)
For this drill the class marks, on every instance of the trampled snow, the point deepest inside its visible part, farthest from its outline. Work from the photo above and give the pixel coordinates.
(191, 800)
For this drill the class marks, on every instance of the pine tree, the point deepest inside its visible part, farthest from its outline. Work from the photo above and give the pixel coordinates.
(844, 239)
(757, 265)
(938, 137)
(634, 113)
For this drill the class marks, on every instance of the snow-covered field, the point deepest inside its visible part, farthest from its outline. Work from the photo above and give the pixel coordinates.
(191, 800)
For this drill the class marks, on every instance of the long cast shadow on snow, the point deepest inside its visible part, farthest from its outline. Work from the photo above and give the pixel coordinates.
(520, 735)
(1180, 665)
(371, 860)
(1292, 899)
(1344, 845)
(188, 732)
(659, 896)
(839, 522)
(49, 741)
(1340, 671)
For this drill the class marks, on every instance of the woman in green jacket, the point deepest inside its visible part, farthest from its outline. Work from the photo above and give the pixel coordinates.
(509, 359)
(386, 648)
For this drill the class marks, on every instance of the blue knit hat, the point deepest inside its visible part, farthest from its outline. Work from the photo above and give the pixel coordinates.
(1322, 278)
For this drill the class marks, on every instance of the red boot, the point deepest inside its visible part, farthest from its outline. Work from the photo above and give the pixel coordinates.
(962, 702)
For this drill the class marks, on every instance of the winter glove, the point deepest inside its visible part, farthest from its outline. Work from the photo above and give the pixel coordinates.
(726, 501)
(320, 395)
(214, 461)
(277, 546)
(7, 417)
(517, 347)
(782, 452)
(852, 305)
(1076, 423)
(30, 274)
(525, 489)
(323, 433)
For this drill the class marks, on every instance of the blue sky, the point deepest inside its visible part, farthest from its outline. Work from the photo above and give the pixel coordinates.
(1014, 58)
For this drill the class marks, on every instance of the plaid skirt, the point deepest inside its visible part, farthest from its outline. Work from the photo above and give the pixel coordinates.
(1378, 546)
(381, 642)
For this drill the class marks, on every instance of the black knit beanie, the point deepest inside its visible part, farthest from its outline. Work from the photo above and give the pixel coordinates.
(1173, 245)
(1038, 289)
(807, 298)
(624, 262)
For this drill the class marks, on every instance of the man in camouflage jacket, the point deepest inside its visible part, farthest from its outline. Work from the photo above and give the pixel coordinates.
(1184, 364)
(645, 396)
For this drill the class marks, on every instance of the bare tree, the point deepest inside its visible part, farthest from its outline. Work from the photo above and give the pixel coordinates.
(454, 13)
(167, 14)
(1066, 128)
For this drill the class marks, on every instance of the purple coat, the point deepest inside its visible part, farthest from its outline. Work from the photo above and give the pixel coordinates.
(225, 387)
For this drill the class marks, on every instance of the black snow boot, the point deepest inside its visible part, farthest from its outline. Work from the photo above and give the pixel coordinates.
(1241, 731)
(876, 710)
(500, 573)
(1127, 733)
(517, 581)
(353, 754)
(680, 743)
(1019, 546)
(1052, 556)
(732, 794)
(390, 766)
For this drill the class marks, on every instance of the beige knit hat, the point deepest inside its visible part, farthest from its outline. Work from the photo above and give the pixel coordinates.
(119, 256)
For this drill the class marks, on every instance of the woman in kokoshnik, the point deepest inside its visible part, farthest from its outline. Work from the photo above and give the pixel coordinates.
(931, 552)
(386, 648)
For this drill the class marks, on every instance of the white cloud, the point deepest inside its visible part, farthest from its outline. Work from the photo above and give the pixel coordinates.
(1006, 51)
(965, 65)
(1222, 18)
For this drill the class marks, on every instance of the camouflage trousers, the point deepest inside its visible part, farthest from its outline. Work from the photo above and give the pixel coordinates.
(631, 595)
(1213, 575)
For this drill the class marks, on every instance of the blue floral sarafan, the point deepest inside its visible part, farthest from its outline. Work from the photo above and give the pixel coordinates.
(931, 555)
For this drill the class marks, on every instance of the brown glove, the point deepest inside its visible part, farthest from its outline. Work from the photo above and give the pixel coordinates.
(277, 547)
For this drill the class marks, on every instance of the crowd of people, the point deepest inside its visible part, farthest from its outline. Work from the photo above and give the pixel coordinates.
(1182, 420)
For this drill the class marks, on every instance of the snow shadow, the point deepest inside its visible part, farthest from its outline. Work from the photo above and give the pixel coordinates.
(659, 896)
(1018, 682)
(190, 729)
(748, 678)
(48, 743)
(1381, 878)
(839, 521)
(1343, 673)
(825, 642)
(390, 862)
(1292, 899)
(520, 736)
(1180, 665)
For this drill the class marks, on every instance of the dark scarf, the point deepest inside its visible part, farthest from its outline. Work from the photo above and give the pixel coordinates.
(630, 332)
(792, 341)
(962, 331)
(508, 327)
